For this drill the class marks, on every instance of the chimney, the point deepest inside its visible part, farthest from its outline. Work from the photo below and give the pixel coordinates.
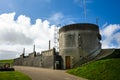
(49, 44)
(34, 48)
(23, 52)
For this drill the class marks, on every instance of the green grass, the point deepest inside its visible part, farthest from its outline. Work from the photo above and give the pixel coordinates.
(6, 61)
(2, 62)
(13, 75)
(107, 69)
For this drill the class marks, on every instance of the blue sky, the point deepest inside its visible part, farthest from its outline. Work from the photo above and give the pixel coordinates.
(106, 10)
(27, 22)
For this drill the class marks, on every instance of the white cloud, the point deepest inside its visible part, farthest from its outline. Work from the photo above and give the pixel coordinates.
(110, 30)
(23, 20)
(111, 36)
(20, 33)
(58, 18)
(11, 54)
(117, 37)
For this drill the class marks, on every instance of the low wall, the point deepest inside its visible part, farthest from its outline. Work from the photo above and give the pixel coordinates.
(45, 60)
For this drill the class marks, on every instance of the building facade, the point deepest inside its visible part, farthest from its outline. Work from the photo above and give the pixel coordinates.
(78, 43)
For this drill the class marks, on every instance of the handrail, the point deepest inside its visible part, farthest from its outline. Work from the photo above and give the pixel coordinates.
(86, 58)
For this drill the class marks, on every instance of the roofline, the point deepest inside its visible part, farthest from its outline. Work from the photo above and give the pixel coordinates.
(79, 26)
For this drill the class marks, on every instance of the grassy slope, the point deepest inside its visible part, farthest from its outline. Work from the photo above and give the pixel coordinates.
(107, 69)
(13, 75)
(2, 62)
(7, 61)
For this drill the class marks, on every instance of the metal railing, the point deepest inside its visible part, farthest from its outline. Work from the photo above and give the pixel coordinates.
(87, 58)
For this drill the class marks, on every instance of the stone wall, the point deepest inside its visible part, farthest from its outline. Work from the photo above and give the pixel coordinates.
(45, 59)
(48, 58)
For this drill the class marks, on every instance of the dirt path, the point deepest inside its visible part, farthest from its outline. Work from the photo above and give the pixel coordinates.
(46, 74)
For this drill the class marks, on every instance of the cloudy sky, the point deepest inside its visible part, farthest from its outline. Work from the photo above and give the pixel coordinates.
(24, 23)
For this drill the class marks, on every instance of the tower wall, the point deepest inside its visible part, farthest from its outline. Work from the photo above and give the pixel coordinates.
(77, 41)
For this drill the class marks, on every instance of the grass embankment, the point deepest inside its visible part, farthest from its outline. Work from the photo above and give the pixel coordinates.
(108, 69)
(13, 75)
(10, 61)
(7, 61)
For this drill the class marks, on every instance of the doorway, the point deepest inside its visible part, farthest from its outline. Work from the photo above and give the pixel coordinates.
(68, 63)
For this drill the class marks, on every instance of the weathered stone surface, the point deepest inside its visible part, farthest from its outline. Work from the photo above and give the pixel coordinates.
(45, 60)
(78, 41)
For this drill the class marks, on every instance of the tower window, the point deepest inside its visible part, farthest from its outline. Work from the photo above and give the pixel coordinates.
(79, 45)
(79, 40)
(78, 35)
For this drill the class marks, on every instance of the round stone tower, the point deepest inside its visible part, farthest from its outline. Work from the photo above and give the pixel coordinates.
(78, 42)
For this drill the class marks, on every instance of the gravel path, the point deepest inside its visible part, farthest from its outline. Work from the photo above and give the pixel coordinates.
(46, 74)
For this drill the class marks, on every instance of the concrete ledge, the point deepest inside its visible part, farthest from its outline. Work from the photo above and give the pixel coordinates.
(79, 26)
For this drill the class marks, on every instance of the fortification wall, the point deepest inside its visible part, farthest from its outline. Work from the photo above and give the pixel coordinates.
(48, 58)
(45, 60)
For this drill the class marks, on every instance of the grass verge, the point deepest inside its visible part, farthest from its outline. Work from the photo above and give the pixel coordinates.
(107, 69)
(7, 61)
(3, 62)
(13, 75)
